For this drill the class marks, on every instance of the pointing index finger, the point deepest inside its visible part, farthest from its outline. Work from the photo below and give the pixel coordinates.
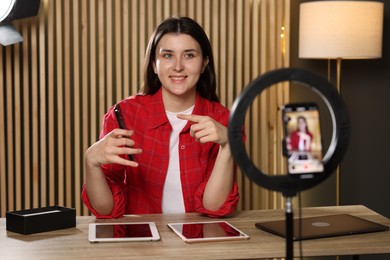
(192, 118)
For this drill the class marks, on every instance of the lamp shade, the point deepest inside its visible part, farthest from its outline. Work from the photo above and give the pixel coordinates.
(341, 29)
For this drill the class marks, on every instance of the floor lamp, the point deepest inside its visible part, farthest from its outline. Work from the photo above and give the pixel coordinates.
(337, 30)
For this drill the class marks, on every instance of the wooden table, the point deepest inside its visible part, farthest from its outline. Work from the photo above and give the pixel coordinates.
(73, 243)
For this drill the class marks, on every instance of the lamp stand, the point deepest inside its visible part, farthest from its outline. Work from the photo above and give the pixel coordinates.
(338, 75)
(338, 85)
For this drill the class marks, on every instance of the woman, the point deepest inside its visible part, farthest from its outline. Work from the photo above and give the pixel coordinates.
(177, 136)
(300, 140)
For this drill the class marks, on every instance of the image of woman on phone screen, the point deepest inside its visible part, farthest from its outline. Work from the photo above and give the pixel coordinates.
(301, 138)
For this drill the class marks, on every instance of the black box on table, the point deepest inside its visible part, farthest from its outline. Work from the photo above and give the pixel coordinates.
(40, 219)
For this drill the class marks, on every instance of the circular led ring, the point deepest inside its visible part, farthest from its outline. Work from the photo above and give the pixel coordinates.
(289, 185)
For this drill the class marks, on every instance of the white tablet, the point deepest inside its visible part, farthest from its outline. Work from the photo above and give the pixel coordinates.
(121, 232)
(207, 231)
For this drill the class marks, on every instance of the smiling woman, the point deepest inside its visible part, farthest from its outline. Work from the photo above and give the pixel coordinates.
(198, 177)
(181, 164)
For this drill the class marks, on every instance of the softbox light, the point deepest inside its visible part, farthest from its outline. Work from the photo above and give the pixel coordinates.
(12, 10)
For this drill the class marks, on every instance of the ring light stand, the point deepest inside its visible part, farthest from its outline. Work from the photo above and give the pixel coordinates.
(286, 184)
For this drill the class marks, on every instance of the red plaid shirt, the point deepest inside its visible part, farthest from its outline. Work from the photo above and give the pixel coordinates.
(139, 190)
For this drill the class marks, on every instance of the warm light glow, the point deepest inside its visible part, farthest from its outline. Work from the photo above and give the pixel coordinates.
(341, 29)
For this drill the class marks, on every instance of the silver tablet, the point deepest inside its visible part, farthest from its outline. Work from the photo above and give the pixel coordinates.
(121, 232)
(207, 231)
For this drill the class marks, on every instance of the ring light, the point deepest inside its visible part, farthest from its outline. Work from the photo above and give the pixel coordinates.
(289, 185)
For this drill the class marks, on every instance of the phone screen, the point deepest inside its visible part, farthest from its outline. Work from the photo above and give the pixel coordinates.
(303, 143)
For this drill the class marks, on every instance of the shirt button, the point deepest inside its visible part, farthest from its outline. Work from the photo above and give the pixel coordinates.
(182, 147)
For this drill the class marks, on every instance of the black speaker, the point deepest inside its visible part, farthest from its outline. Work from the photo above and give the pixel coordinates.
(24, 9)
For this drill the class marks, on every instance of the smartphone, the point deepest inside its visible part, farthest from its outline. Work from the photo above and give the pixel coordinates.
(121, 122)
(302, 139)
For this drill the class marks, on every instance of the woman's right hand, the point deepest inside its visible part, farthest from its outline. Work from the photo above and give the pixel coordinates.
(110, 147)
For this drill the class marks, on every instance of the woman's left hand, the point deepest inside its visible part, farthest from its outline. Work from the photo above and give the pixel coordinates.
(205, 129)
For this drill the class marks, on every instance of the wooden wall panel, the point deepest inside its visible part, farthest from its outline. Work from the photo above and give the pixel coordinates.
(78, 58)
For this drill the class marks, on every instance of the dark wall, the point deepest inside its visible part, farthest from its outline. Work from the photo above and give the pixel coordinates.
(365, 88)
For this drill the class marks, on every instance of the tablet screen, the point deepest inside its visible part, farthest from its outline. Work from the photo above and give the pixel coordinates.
(111, 232)
(207, 231)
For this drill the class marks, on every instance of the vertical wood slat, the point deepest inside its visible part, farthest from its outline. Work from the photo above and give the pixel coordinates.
(77, 93)
(126, 49)
(101, 76)
(141, 35)
(67, 104)
(244, 183)
(17, 113)
(271, 96)
(52, 172)
(87, 55)
(3, 150)
(264, 63)
(118, 69)
(231, 34)
(92, 73)
(84, 93)
(59, 104)
(10, 132)
(26, 123)
(35, 118)
(239, 58)
(223, 52)
(3, 186)
(42, 107)
(109, 83)
(134, 43)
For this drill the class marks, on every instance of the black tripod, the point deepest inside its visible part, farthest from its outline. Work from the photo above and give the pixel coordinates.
(289, 229)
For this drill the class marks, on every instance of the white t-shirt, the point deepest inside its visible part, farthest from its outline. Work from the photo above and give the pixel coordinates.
(172, 201)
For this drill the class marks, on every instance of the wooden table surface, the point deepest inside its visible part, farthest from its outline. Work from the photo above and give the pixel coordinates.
(72, 243)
